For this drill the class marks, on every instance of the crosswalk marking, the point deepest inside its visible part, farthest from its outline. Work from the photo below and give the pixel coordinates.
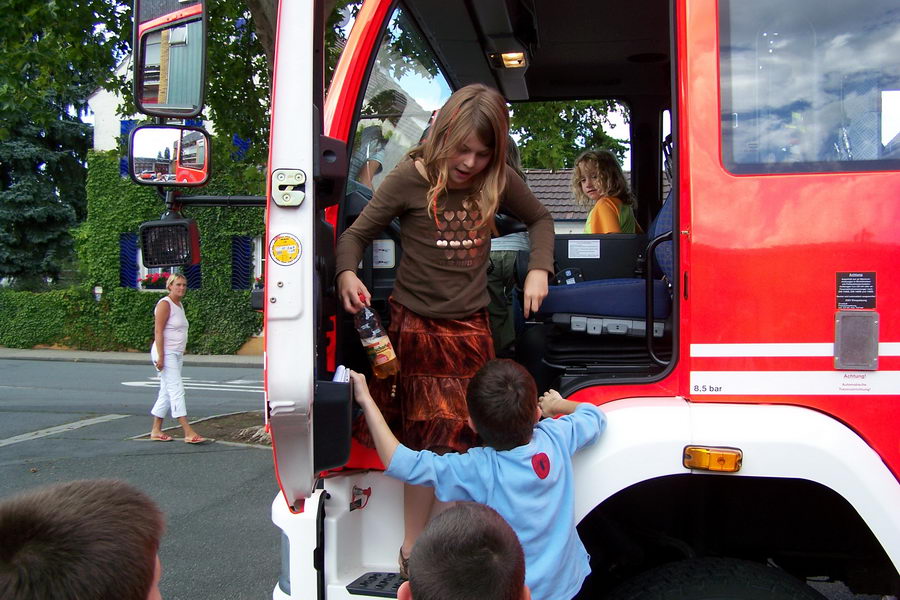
(238, 385)
(59, 429)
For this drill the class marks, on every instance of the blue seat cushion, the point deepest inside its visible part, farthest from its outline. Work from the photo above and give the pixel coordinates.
(608, 298)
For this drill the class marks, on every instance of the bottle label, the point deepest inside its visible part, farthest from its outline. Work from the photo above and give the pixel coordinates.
(379, 349)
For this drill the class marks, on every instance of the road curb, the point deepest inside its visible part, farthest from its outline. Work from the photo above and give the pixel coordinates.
(138, 438)
(128, 358)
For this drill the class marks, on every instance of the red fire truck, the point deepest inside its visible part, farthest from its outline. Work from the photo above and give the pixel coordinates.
(746, 349)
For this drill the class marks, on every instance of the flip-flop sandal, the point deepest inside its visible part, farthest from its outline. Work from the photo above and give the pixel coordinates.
(197, 439)
(162, 438)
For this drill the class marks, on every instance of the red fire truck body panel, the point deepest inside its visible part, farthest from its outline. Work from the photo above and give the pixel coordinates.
(760, 261)
(772, 282)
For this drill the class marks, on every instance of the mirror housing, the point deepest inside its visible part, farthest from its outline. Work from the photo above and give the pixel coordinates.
(169, 58)
(169, 155)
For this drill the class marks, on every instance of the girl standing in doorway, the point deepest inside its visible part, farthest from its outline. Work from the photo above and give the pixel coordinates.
(445, 194)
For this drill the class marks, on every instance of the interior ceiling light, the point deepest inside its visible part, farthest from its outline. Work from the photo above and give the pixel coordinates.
(508, 60)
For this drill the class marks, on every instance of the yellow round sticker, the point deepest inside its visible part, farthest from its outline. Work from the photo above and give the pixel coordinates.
(285, 249)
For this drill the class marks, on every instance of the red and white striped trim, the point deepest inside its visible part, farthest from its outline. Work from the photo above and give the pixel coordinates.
(795, 383)
(779, 350)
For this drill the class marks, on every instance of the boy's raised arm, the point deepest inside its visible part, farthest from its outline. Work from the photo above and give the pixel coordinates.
(385, 441)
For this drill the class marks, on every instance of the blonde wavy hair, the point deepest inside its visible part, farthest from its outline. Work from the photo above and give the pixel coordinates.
(173, 278)
(612, 178)
(472, 109)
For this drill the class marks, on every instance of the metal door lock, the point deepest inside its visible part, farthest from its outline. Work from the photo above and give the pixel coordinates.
(288, 187)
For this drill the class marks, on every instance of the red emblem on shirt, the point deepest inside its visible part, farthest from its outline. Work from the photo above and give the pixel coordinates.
(541, 464)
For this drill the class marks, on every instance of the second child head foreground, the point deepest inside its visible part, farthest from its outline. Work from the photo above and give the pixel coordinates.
(468, 552)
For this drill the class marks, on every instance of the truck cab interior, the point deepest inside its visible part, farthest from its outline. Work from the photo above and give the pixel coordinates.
(592, 329)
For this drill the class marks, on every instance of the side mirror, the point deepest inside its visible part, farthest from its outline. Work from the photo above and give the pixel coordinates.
(169, 58)
(169, 155)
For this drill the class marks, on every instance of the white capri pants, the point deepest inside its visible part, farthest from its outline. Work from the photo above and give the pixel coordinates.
(171, 388)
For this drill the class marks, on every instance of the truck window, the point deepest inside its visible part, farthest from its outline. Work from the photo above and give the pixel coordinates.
(810, 89)
(405, 87)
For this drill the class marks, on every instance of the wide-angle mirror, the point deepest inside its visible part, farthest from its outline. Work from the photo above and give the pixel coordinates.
(170, 57)
(169, 155)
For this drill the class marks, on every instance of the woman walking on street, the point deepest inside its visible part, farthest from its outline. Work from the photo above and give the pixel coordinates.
(167, 353)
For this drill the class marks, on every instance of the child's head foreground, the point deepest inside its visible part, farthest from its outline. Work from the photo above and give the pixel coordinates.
(94, 539)
(468, 552)
(503, 404)
(597, 174)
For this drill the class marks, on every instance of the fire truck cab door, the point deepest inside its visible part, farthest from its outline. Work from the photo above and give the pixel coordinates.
(304, 170)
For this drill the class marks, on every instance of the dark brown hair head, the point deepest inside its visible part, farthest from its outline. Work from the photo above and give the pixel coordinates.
(94, 539)
(502, 401)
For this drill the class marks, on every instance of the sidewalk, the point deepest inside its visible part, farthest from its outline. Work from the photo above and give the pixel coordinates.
(199, 360)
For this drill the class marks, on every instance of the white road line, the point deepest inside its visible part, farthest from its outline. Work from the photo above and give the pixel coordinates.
(59, 429)
(153, 382)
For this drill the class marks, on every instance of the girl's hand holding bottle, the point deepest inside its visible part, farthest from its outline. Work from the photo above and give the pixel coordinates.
(353, 294)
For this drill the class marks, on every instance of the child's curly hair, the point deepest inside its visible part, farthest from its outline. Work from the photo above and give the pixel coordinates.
(612, 178)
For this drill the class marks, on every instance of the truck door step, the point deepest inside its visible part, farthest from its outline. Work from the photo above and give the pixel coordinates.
(381, 584)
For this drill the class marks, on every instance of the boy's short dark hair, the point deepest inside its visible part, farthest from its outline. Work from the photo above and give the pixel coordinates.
(468, 552)
(502, 401)
(94, 539)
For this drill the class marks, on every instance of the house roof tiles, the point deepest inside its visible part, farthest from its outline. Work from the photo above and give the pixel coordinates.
(551, 187)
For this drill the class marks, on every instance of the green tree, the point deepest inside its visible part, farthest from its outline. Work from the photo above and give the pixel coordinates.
(552, 134)
(53, 55)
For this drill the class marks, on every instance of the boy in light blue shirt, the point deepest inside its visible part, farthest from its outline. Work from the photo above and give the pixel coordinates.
(524, 471)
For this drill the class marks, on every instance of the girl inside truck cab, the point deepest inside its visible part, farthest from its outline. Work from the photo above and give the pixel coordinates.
(599, 183)
(445, 195)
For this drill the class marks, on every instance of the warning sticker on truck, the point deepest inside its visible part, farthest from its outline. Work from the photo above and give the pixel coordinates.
(285, 249)
(855, 290)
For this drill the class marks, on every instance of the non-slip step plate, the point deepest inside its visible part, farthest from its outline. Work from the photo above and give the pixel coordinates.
(383, 585)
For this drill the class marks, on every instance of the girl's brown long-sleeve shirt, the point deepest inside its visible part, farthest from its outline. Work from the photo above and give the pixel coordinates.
(443, 272)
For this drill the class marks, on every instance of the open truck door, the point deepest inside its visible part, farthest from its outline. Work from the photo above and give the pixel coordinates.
(305, 173)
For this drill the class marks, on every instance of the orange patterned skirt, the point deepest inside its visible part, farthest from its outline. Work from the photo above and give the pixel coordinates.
(425, 404)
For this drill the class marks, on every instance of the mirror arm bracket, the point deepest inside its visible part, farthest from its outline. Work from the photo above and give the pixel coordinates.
(221, 201)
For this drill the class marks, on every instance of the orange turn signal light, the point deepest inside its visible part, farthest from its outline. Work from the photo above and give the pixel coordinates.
(712, 458)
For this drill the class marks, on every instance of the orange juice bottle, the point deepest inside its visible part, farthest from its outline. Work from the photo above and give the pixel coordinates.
(377, 343)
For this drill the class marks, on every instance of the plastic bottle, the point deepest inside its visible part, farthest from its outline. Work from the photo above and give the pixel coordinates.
(377, 343)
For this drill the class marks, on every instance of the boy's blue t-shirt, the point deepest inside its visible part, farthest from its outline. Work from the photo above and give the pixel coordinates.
(530, 486)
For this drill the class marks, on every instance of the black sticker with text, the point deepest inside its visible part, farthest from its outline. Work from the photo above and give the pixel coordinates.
(855, 290)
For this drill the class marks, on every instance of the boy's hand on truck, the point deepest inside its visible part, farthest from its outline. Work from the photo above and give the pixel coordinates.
(385, 441)
(553, 405)
(360, 389)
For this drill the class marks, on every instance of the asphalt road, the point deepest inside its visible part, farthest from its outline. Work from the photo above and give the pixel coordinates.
(220, 542)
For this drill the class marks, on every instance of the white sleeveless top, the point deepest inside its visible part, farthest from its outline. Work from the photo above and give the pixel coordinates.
(176, 330)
